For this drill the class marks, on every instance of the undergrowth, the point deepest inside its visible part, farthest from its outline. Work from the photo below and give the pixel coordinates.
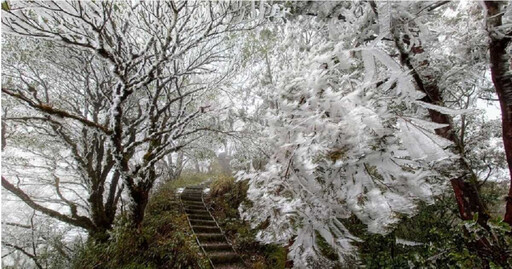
(164, 240)
(434, 238)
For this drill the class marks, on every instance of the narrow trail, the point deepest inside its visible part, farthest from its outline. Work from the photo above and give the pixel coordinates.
(209, 236)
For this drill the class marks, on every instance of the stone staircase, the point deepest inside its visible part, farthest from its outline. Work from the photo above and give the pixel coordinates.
(209, 236)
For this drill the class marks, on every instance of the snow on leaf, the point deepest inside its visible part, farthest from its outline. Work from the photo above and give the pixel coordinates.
(407, 242)
(429, 125)
(445, 110)
(420, 144)
(369, 66)
(384, 11)
(386, 60)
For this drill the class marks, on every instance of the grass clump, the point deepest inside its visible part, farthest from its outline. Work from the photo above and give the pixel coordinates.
(163, 241)
(187, 179)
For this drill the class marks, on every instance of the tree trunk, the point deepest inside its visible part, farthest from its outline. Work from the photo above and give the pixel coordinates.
(198, 168)
(223, 159)
(502, 79)
(140, 198)
(464, 185)
(179, 165)
(75, 220)
(98, 215)
(139, 194)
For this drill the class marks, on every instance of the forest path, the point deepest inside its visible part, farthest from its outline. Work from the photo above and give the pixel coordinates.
(209, 236)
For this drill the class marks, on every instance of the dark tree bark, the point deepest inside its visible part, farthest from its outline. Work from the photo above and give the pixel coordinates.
(502, 78)
(140, 197)
(465, 186)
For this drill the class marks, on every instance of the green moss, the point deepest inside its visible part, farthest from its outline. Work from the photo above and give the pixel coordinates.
(275, 256)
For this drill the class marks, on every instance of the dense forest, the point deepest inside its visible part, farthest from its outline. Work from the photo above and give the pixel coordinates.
(256, 134)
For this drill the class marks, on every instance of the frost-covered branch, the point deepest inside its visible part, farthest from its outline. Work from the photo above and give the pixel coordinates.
(46, 108)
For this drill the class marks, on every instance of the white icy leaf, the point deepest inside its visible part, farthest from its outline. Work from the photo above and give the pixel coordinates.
(406, 88)
(262, 10)
(420, 144)
(369, 65)
(445, 110)
(384, 19)
(343, 56)
(507, 17)
(367, 117)
(386, 60)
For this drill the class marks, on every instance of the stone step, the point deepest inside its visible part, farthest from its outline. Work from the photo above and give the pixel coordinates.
(195, 207)
(202, 222)
(197, 211)
(206, 229)
(193, 203)
(192, 193)
(192, 196)
(208, 237)
(199, 217)
(196, 199)
(209, 247)
(223, 257)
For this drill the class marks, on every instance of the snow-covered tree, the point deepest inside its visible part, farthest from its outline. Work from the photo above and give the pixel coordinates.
(359, 126)
(70, 165)
(159, 57)
(332, 110)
